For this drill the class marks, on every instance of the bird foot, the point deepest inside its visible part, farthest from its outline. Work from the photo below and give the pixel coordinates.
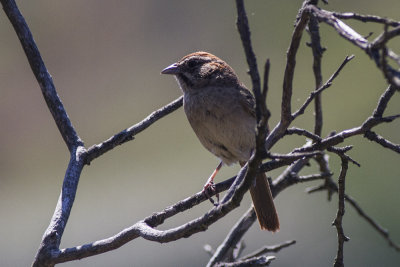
(209, 190)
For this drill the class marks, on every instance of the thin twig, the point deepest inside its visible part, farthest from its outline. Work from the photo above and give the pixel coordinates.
(145, 228)
(341, 151)
(289, 176)
(303, 132)
(265, 91)
(286, 116)
(268, 249)
(366, 18)
(338, 222)
(383, 101)
(341, 136)
(293, 156)
(259, 261)
(383, 232)
(313, 177)
(290, 67)
(317, 50)
(375, 49)
(385, 37)
(129, 133)
(333, 187)
(318, 91)
(372, 136)
(49, 252)
(233, 237)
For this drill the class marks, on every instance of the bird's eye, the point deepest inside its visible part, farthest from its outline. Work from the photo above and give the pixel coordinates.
(192, 64)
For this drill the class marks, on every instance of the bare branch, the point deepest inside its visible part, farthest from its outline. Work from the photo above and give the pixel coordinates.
(289, 176)
(372, 136)
(317, 50)
(286, 116)
(42, 75)
(322, 88)
(368, 124)
(129, 133)
(268, 249)
(385, 37)
(259, 261)
(134, 231)
(345, 31)
(265, 91)
(293, 156)
(146, 229)
(372, 222)
(340, 137)
(302, 132)
(290, 67)
(340, 213)
(234, 236)
(372, 49)
(333, 187)
(49, 252)
(366, 18)
(313, 177)
(261, 107)
(383, 101)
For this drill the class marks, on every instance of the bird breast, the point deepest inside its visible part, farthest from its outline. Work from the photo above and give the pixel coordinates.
(227, 130)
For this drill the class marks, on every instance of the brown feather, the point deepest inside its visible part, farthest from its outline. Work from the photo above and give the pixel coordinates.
(221, 111)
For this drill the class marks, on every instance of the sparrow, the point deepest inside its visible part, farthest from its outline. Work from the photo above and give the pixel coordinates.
(221, 111)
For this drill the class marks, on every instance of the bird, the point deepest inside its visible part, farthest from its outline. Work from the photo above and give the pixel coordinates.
(221, 112)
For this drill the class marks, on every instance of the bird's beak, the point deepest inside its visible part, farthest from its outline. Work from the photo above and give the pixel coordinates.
(171, 69)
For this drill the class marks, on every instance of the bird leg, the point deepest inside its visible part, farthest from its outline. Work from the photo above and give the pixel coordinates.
(209, 185)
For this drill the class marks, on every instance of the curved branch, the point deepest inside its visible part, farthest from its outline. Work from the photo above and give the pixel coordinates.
(372, 222)
(372, 136)
(286, 115)
(128, 134)
(42, 75)
(340, 137)
(371, 48)
(49, 252)
(366, 18)
(234, 236)
(145, 228)
(320, 89)
(52, 236)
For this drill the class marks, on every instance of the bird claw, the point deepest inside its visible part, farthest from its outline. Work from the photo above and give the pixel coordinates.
(209, 190)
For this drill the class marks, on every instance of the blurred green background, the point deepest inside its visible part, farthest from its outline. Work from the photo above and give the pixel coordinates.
(105, 58)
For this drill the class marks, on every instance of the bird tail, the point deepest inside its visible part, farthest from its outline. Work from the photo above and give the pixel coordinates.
(264, 204)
